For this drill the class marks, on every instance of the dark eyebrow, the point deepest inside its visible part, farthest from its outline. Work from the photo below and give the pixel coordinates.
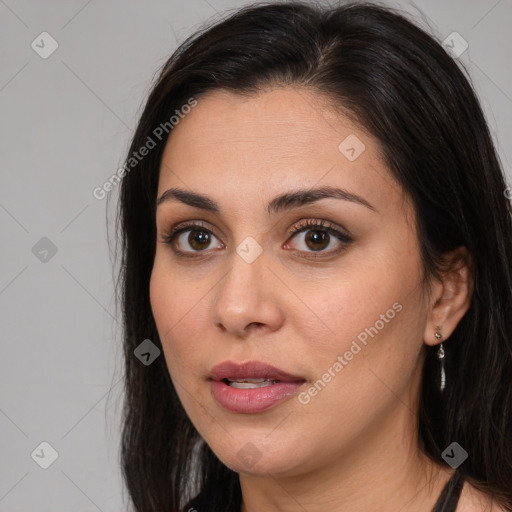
(287, 201)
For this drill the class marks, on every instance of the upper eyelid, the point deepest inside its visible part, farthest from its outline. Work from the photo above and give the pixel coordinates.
(308, 223)
(188, 225)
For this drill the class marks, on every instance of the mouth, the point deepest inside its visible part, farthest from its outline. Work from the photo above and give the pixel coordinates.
(251, 387)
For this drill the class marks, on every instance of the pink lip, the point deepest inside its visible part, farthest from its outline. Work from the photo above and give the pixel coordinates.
(251, 400)
(250, 370)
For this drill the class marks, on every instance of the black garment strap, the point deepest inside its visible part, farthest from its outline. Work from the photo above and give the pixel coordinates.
(449, 497)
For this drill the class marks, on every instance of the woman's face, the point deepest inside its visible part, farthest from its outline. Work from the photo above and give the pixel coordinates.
(337, 310)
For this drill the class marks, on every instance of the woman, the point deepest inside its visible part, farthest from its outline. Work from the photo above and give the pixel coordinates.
(317, 238)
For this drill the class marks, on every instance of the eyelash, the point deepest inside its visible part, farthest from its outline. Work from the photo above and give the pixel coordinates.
(308, 225)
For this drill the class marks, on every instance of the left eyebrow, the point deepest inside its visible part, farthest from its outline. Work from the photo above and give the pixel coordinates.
(283, 202)
(298, 198)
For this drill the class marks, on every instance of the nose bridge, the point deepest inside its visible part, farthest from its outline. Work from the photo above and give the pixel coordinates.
(241, 287)
(243, 296)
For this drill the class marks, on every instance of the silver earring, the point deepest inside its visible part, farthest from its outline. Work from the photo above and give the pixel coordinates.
(440, 356)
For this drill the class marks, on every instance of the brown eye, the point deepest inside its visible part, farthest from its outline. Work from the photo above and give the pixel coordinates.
(189, 239)
(317, 240)
(314, 236)
(198, 240)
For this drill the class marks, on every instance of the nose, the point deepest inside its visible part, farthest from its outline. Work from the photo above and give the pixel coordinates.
(246, 298)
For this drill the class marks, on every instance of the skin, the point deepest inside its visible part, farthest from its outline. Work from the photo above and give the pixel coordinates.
(353, 446)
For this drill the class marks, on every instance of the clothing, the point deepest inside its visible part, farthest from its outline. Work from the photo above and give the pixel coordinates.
(450, 494)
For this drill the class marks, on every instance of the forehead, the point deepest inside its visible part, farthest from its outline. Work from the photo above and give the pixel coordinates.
(283, 121)
(256, 146)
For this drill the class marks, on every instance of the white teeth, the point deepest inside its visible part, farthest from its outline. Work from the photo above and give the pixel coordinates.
(254, 381)
(250, 383)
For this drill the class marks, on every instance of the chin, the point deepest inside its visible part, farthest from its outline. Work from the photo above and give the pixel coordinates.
(258, 455)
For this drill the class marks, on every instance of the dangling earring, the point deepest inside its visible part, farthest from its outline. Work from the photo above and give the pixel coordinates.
(440, 356)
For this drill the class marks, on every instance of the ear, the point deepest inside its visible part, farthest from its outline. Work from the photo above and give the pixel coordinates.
(450, 296)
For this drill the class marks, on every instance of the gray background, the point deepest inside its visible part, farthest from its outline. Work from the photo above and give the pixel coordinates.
(66, 124)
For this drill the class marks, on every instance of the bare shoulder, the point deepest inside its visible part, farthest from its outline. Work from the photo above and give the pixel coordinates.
(473, 500)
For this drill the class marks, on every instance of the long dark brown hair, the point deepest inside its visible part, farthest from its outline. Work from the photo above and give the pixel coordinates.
(401, 85)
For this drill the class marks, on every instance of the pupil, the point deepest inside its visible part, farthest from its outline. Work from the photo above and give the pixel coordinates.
(317, 237)
(198, 239)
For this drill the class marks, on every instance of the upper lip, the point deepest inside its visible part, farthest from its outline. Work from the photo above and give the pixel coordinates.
(250, 370)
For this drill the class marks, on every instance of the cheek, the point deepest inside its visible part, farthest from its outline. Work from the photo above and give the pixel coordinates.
(369, 323)
(370, 358)
(179, 306)
(179, 311)
(367, 296)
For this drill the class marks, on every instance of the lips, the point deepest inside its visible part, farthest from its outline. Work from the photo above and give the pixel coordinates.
(251, 387)
(251, 370)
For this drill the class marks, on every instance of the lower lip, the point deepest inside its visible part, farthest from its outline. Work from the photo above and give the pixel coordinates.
(252, 400)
